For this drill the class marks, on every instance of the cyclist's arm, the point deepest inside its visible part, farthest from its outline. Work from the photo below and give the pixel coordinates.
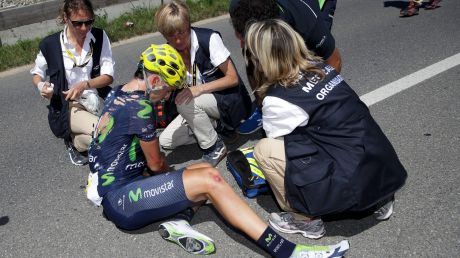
(156, 160)
(335, 60)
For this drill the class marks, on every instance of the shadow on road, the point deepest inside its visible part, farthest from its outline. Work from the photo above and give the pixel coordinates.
(4, 220)
(396, 4)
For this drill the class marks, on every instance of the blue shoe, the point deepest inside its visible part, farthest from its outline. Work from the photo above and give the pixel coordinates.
(252, 124)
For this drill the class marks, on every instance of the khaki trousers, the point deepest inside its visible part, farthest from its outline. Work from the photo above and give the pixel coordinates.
(271, 158)
(195, 123)
(82, 125)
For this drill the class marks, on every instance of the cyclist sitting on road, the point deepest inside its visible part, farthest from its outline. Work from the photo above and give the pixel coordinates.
(125, 143)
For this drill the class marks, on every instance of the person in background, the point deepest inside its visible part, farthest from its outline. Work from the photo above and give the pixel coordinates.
(78, 61)
(327, 8)
(414, 6)
(304, 16)
(324, 153)
(216, 100)
(125, 144)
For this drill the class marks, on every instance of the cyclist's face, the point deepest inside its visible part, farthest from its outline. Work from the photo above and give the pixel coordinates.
(80, 23)
(159, 89)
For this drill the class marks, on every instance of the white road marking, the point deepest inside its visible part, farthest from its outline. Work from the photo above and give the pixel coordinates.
(410, 80)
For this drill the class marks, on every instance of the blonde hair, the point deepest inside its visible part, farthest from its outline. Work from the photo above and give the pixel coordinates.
(172, 17)
(276, 54)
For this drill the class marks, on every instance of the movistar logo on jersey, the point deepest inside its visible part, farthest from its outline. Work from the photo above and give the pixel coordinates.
(144, 113)
(108, 179)
(135, 196)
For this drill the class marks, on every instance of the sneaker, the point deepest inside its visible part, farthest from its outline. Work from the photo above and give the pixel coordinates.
(410, 10)
(433, 4)
(216, 153)
(76, 157)
(181, 233)
(318, 251)
(386, 209)
(228, 135)
(285, 222)
(252, 124)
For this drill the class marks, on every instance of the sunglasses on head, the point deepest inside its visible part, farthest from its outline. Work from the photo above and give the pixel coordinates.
(80, 23)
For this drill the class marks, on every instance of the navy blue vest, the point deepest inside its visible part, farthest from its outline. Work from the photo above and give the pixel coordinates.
(341, 160)
(234, 103)
(58, 115)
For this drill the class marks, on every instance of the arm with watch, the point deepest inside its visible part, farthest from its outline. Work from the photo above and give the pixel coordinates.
(76, 90)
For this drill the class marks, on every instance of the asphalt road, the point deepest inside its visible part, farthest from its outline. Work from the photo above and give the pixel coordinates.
(44, 213)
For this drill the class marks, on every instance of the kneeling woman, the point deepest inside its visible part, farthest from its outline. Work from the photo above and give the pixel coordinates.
(324, 153)
(125, 144)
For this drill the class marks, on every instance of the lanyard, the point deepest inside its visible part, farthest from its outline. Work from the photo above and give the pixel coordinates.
(72, 57)
(194, 74)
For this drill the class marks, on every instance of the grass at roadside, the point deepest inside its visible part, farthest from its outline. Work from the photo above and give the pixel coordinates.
(25, 51)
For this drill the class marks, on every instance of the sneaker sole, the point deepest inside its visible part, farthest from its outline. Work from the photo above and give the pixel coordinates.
(188, 240)
(340, 249)
(387, 215)
(75, 163)
(290, 231)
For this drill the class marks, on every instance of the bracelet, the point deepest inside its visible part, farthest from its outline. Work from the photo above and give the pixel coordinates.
(87, 85)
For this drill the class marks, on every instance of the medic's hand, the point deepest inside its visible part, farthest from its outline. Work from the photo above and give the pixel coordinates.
(188, 94)
(75, 91)
(46, 89)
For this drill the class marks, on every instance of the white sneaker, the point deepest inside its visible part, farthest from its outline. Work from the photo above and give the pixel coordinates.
(181, 233)
(386, 210)
(320, 251)
(285, 222)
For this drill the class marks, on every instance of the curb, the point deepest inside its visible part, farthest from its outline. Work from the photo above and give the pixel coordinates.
(23, 68)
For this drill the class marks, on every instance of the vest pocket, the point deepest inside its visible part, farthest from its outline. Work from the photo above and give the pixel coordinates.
(311, 182)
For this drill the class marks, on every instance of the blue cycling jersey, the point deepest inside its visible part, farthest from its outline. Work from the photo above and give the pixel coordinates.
(126, 119)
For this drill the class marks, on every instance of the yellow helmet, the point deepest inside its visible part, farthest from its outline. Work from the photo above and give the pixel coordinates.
(167, 62)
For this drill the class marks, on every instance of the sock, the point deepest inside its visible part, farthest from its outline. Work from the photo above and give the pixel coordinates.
(276, 245)
(186, 214)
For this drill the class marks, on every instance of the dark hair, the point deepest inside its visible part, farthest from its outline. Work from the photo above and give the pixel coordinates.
(68, 7)
(139, 73)
(244, 12)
